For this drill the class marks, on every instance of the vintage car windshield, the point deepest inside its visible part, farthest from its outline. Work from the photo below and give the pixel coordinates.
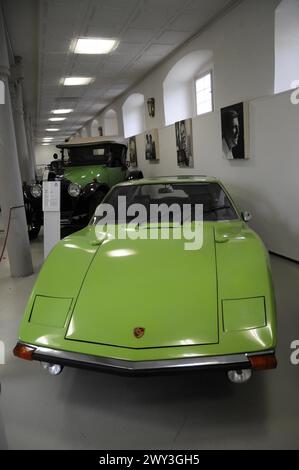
(216, 204)
(111, 154)
(79, 156)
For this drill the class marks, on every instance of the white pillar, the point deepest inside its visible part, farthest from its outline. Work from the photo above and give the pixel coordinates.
(29, 135)
(22, 166)
(26, 164)
(11, 193)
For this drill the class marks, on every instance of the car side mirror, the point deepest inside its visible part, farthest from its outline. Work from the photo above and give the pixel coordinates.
(246, 216)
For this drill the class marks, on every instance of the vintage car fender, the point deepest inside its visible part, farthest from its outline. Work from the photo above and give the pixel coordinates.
(134, 175)
(90, 189)
(33, 209)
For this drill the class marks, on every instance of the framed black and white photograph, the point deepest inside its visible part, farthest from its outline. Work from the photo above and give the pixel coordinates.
(183, 135)
(235, 131)
(152, 145)
(133, 151)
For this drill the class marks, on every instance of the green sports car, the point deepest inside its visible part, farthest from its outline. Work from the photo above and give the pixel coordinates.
(167, 276)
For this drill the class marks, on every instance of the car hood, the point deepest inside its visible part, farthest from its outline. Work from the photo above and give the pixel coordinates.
(90, 296)
(155, 285)
(84, 174)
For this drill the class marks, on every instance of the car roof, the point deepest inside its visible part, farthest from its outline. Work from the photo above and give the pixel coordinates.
(171, 179)
(92, 141)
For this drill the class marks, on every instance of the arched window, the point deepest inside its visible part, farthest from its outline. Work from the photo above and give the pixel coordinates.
(134, 115)
(110, 122)
(83, 132)
(179, 91)
(286, 45)
(94, 128)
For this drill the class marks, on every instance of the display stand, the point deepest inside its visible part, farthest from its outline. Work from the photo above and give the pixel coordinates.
(51, 209)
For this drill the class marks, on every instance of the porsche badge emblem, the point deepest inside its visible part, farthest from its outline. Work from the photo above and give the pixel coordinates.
(139, 332)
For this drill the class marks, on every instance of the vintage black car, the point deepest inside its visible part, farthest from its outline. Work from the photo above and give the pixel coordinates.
(33, 206)
(87, 169)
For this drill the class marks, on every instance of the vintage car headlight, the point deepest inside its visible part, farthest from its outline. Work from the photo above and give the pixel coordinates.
(36, 191)
(74, 189)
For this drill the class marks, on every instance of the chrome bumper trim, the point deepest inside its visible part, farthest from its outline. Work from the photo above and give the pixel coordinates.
(78, 359)
(85, 360)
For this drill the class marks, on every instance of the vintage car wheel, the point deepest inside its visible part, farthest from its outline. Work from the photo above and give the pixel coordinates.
(33, 222)
(95, 201)
(33, 230)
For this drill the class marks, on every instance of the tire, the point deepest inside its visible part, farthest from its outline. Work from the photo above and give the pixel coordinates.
(34, 231)
(34, 222)
(94, 202)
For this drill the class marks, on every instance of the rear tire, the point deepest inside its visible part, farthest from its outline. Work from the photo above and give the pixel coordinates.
(94, 202)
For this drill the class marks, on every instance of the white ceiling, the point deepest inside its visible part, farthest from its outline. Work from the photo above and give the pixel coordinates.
(41, 32)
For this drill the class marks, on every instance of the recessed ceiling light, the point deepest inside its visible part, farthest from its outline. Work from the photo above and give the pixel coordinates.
(52, 129)
(95, 46)
(72, 81)
(62, 111)
(57, 119)
(45, 139)
(46, 144)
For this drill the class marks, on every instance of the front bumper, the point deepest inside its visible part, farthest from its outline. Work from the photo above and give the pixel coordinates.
(72, 359)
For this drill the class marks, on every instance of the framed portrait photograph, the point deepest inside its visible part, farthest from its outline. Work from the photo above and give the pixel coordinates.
(133, 151)
(184, 148)
(152, 152)
(235, 131)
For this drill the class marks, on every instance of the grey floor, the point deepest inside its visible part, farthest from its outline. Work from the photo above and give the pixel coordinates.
(88, 410)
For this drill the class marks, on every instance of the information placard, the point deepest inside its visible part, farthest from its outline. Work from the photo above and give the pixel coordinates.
(51, 196)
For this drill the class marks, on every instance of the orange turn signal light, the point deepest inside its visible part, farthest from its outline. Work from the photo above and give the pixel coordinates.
(261, 362)
(23, 351)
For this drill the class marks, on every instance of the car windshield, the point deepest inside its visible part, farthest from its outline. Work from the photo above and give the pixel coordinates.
(100, 154)
(216, 204)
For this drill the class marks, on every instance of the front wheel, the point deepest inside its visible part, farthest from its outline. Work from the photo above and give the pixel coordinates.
(94, 202)
(34, 222)
(34, 230)
(239, 376)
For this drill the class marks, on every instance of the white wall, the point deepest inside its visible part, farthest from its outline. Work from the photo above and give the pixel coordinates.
(243, 54)
(44, 153)
(243, 47)
(179, 86)
(110, 123)
(133, 113)
(84, 132)
(266, 184)
(94, 128)
(242, 44)
(286, 45)
(179, 102)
